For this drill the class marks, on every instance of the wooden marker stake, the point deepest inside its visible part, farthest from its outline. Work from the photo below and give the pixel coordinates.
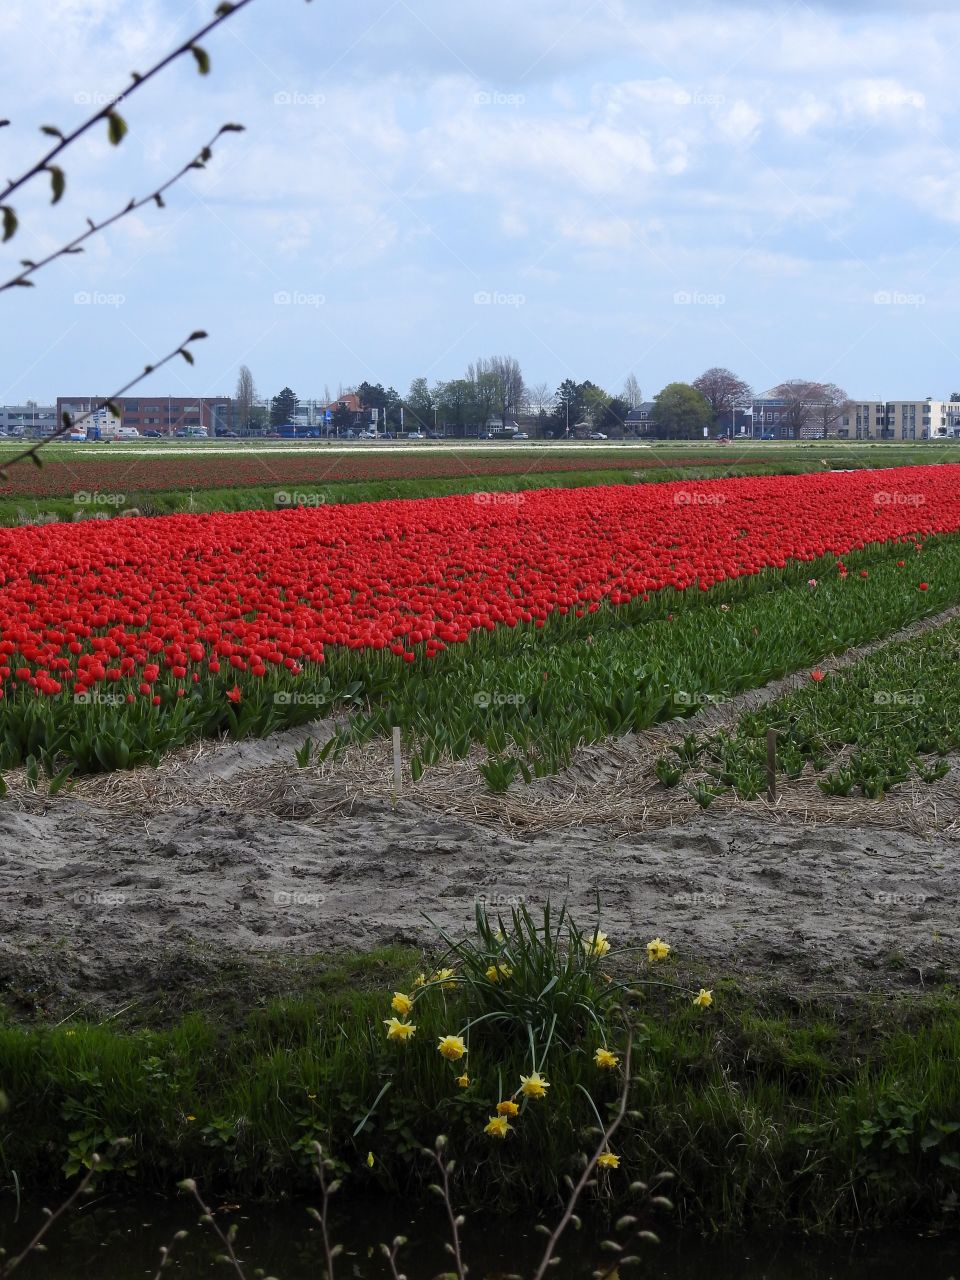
(396, 764)
(772, 765)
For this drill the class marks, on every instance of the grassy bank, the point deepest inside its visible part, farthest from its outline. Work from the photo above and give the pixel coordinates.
(771, 1109)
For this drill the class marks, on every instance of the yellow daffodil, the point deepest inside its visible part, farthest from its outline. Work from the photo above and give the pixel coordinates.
(463, 1081)
(452, 1048)
(604, 1058)
(498, 1127)
(598, 945)
(498, 972)
(443, 976)
(609, 1161)
(420, 980)
(703, 999)
(369, 1159)
(397, 1030)
(400, 1003)
(657, 949)
(507, 1108)
(533, 1085)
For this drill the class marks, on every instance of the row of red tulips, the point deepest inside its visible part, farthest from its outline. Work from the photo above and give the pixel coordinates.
(85, 607)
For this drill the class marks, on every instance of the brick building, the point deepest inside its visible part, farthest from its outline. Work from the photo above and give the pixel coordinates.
(166, 414)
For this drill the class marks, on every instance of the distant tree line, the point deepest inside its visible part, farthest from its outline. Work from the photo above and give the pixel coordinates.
(493, 392)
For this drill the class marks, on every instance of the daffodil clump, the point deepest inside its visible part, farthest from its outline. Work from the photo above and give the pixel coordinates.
(540, 983)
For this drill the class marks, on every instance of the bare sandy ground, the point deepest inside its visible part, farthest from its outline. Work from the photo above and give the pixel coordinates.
(242, 861)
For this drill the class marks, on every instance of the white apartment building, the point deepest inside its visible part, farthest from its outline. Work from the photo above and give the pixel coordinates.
(899, 420)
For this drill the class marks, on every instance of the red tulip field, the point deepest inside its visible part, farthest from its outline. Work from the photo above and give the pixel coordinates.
(524, 623)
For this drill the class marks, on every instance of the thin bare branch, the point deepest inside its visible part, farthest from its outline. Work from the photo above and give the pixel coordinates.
(198, 161)
(223, 1236)
(455, 1221)
(8, 1268)
(330, 1251)
(578, 1190)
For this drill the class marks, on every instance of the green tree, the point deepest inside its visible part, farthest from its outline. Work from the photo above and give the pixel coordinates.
(574, 401)
(393, 404)
(456, 404)
(282, 408)
(343, 417)
(484, 391)
(680, 412)
(372, 395)
(611, 418)
(420, 405)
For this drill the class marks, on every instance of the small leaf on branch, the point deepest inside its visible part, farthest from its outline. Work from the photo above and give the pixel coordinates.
(203, 59)
(159, 201)
(58, 182)
(52, 130)
(136, 77)
(10, 223)
(4, 123)
(35, 459)
(186, 355)
(197, 335)
(232, 128)
(76, 249)
(23, 284)
(222, 10)
(116, 127)
(114, 408)
(26, 262)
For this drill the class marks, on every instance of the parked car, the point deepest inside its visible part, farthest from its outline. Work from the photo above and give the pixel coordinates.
(596, 435)
(151, 435)
(416, 435)
(368, 435)
(520, 435)
(223, 433)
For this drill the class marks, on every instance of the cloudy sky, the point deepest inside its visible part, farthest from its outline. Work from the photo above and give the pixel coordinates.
(598, 187)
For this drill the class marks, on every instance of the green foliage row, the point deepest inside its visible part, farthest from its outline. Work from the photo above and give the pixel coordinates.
(893, 716)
